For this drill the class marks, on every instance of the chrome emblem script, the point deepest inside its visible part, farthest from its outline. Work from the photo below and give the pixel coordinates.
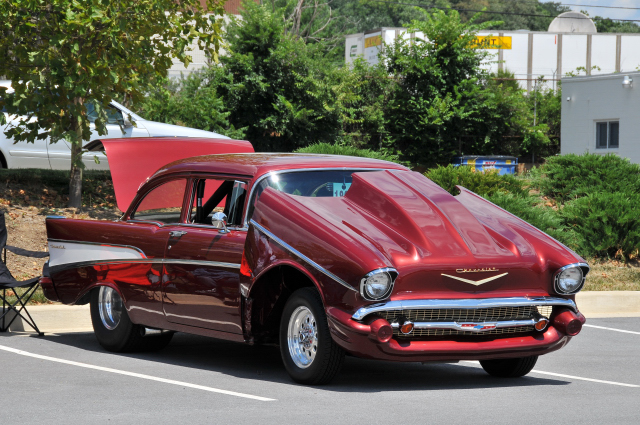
(58, 246)
(484, 269)
(476, 282)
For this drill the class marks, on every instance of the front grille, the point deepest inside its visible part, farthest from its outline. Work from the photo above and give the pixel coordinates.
(465, 315)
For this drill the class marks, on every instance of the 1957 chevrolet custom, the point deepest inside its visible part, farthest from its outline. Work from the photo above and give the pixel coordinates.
(325, 255)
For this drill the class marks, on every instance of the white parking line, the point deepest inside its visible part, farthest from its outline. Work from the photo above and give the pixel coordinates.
(135, 375)
(585, 379)
(560, 375)
(612, 329)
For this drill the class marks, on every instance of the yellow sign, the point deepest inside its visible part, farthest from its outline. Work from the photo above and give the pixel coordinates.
(373, 41)
(492, 42)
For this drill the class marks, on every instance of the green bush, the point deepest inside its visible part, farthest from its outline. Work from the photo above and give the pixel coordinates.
(530, 209)
(608, 223)
(329, 149)
(483, 183)
(571, 176)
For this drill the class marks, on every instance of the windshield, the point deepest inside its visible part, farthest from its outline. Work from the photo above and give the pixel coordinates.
(322, 183)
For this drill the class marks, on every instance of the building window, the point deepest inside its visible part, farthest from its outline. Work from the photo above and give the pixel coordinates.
(607, 134)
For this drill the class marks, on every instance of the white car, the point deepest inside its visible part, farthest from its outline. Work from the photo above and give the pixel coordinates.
(57, 156)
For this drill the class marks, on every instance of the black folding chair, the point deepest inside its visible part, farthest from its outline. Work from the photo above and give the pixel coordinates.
(8, 282)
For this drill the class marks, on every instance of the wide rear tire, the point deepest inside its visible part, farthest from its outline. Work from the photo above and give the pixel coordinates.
(113, 328)
(509, 368)
(309, 354)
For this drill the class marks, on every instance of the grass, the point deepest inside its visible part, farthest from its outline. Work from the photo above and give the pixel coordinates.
(38, 297)
(613, 276)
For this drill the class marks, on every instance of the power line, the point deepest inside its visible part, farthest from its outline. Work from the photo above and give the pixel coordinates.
(493, 12)
(577, 5)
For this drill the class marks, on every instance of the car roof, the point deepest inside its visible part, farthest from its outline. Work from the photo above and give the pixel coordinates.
(257, 164)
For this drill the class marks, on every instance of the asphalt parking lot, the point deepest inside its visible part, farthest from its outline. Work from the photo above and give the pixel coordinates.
(68, 378)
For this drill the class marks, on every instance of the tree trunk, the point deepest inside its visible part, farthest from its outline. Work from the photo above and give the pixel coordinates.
(75, 182)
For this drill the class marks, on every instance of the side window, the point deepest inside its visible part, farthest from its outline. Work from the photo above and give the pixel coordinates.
(114, 115)
(213, 195)
(163, 203)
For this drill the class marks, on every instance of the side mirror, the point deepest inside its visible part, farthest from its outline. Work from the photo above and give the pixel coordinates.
(219, 221)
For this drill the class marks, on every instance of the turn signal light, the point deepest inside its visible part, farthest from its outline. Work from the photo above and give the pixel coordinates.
(407, 328)
(541, 324)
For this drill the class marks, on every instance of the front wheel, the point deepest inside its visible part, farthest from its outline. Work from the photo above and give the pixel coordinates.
(509, 368)
(309, 353)
(113, 328)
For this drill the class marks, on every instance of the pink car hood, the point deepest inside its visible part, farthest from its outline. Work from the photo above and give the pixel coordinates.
(133, 160)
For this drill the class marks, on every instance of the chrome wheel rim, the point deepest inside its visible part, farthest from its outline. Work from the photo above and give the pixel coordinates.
(110, 307)
(302, 337)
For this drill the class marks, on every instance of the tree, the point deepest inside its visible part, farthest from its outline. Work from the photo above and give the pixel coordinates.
(268, 83)
(437, 98)
(62, 54)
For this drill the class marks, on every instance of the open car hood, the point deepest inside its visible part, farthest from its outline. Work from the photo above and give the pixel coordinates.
(133, 160)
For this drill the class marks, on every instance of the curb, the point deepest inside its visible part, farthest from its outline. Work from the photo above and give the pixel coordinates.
(56, 318)
(59, 318)
(609, 303)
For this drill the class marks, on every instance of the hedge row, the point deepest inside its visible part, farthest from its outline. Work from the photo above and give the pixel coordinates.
(589, 202)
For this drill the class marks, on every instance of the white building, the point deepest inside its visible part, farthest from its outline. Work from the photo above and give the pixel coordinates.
(527, 54)
(600, 114)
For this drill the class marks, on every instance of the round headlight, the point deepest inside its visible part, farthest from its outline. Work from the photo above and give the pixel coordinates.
(569, 280)
(376, 286)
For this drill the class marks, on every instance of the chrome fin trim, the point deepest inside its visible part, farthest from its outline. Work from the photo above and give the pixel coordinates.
(300, 255)
(464, 304)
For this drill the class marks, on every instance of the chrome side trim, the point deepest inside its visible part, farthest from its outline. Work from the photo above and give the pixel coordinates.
(54, 217)
(300, 255)
(210, 227)
(54, 269)
(568, 266)
(246, 221)
(204, 263)
(463, 304)
(79, 264)
(157, 223)
(477, 327)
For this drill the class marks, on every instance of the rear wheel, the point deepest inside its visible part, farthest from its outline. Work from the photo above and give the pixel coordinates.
(113, 328)
(309, 353)
(509, 368)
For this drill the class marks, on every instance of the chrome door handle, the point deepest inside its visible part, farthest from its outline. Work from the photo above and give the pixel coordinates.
(177, 233)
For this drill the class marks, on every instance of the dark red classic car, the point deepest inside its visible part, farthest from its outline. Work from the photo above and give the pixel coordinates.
(325, 255)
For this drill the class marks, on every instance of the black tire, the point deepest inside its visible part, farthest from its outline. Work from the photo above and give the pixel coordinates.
(328, 356)
(125, 336)
(509, 368)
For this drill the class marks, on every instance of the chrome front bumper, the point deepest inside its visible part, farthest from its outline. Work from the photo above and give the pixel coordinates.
(464, 304)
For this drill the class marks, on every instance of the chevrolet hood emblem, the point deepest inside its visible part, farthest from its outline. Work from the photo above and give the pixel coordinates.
(476, 282)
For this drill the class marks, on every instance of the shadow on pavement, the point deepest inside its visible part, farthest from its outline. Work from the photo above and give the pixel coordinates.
(263, 363)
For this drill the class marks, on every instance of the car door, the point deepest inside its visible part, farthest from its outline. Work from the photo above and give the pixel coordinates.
(23, 154)
(202, 263)
(161, 206)
(60, 152)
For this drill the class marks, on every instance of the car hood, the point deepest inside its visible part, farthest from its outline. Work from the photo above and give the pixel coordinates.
(401, 219)
(159, 129)
(133, 160)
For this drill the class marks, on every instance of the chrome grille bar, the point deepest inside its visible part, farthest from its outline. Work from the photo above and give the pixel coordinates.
(463, 304)
(470, 326)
